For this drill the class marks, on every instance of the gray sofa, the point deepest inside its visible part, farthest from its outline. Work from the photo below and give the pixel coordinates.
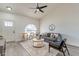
(48, 37)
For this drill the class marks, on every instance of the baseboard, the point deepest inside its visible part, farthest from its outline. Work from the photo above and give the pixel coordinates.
(10, 41)
(72, 45)
(14, 41)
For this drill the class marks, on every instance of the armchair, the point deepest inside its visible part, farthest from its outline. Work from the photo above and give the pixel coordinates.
(57, 42)
(59, 45)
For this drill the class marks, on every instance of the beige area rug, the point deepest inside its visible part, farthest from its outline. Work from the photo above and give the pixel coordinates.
(28, 45)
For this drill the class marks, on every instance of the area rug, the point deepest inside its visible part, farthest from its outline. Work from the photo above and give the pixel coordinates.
(43, 51)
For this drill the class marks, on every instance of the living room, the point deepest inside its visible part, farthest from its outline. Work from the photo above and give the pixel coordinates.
(22, 23)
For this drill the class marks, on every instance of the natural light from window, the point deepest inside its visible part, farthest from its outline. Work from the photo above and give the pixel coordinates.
(30, 28)
(8, 23)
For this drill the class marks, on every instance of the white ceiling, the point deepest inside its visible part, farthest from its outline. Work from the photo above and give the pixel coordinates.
(24, 9)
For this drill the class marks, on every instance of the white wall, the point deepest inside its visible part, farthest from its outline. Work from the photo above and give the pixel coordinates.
(0, 28)
(66, 20)
(19, 24)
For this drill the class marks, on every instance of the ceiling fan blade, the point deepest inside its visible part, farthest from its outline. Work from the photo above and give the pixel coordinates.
(32, 8)
(41, 10)
(43, 7)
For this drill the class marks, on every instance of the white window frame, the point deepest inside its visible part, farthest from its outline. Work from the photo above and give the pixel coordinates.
(30, 30)
(8, 23)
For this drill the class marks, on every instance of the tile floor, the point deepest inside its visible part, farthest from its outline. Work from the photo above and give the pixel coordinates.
(16, 49)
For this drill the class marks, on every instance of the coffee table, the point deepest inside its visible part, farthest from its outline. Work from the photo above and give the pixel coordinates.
(38, 42)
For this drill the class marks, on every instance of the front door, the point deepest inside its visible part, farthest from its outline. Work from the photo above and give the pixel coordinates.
(9, 30)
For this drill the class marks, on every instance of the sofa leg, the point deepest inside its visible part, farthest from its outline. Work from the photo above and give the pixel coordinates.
(49, 48)
(67, 49)
(63, 52)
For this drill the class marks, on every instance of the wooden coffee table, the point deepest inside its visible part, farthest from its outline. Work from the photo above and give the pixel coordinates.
(38, 42)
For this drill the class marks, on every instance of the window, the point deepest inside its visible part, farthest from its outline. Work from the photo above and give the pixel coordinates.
(30, 28)
(8, 23)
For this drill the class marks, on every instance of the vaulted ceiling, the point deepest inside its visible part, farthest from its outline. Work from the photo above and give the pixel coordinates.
(24, 9)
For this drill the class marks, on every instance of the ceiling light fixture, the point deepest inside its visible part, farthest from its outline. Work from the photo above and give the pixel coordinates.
(9, 8)
(37, 10)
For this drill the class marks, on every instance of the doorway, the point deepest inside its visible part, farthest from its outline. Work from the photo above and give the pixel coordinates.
(9, 30)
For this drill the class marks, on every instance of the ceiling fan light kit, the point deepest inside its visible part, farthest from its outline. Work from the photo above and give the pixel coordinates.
(9, 8)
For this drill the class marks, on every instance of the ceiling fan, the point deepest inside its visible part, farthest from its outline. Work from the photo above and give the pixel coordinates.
(39, 8)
